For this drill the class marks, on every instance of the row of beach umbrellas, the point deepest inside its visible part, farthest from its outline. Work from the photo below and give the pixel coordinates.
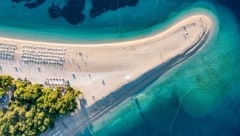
(43, 48)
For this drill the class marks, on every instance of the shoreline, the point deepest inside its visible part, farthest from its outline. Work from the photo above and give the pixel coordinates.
(93, 68)
(154, 35)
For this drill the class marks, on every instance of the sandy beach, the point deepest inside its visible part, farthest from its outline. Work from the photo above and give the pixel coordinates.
(100, 69)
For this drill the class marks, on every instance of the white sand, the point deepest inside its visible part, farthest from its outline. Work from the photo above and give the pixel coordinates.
(114, 63)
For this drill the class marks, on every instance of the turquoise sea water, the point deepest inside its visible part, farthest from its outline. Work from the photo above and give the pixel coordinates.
(126, 23)
(198, 97)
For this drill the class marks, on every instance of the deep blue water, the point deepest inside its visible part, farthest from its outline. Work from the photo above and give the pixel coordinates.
(80, 24)
(233, 5)
(200, 97)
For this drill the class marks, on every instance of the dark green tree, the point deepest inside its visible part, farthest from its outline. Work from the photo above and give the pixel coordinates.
(34, 107)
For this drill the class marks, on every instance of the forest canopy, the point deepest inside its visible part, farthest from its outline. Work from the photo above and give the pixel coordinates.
(33, 108)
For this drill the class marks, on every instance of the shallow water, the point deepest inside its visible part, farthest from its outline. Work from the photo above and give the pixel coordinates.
(198, 97)
(125, 23)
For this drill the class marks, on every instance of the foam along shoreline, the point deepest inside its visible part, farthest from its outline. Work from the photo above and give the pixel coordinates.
(100, 69)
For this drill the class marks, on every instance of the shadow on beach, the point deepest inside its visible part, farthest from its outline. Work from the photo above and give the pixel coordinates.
(83, 110)
(99, 108)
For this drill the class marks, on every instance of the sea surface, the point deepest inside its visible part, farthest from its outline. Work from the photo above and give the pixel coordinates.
(199, 97)
(124, 23)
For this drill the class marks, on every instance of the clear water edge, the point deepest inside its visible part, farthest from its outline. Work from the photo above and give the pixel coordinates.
(208, 89)
(210, 78)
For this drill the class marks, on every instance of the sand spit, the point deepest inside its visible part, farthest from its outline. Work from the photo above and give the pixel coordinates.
(100, 70)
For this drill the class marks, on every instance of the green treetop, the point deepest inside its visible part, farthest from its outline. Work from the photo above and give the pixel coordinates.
(33, 108)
